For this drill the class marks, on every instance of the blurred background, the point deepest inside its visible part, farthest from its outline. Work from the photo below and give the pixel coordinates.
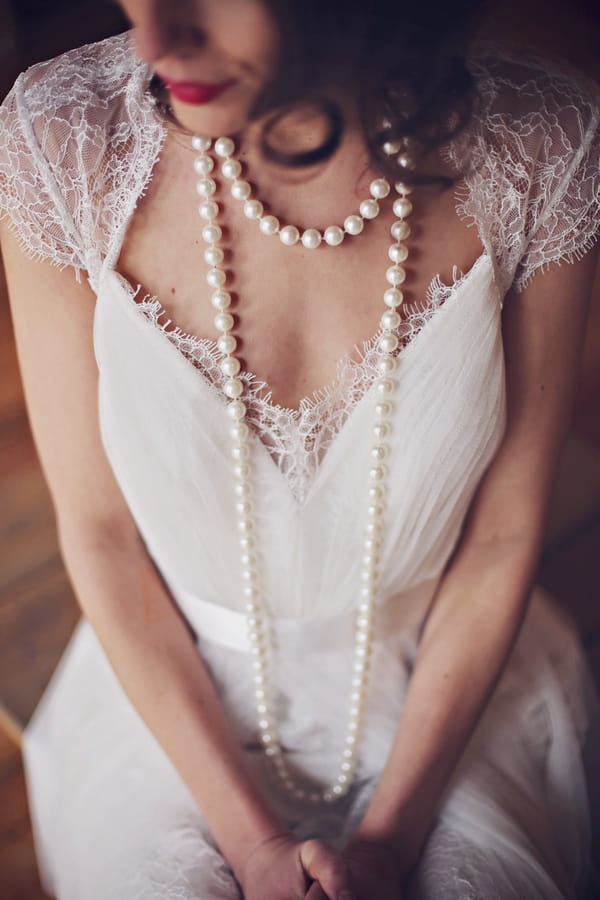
(37, 608)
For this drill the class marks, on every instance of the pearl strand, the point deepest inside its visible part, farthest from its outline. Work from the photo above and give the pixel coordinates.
(256, 614)
(241, 190)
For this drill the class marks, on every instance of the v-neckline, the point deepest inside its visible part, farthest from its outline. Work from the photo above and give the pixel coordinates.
(126, 290)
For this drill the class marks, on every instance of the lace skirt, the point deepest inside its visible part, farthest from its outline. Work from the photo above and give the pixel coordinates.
(113, 819)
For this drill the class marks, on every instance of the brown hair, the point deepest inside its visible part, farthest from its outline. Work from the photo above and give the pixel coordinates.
(404, 62)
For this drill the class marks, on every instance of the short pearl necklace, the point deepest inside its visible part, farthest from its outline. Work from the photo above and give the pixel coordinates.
(256, 613)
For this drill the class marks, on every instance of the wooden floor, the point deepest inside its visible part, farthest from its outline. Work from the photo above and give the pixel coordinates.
(38, 610)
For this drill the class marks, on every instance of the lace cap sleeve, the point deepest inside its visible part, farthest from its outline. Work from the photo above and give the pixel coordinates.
(78, 138)
(37, 210)
(534, 191)
(563, 214)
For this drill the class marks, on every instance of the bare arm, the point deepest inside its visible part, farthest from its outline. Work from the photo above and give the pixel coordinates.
(483, 596)
(117, 585)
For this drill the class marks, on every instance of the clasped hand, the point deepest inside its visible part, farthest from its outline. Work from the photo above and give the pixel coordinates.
(283, 868)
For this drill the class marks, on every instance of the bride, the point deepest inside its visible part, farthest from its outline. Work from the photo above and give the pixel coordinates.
(311, 660)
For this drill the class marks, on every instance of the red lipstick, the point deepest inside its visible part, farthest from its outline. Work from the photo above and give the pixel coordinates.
(195, 92)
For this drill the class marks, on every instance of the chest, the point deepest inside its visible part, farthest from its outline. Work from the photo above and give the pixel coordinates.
(297, 311)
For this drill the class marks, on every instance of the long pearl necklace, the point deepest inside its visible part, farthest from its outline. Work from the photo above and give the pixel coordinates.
(256, 613)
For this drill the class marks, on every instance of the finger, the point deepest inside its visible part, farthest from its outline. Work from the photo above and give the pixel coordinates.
(325, 865)
(315, 892)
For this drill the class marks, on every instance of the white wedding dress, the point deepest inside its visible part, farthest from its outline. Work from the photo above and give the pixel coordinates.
(113, 820)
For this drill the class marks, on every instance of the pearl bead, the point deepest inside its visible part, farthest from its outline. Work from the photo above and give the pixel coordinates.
(239, 452)
(243, 506)
(398, 253)
(390, 320)
(379, 188)
(378, 453)
(231, 168)
(224, 321)
(237, 411)
(383, 409)
(393, 298)
(240, 190)
(395, 275)
(206, 187)
(402, 207)
(289, 235)
(269, 225)
(241, 488)
(384, 386)
(213, 256)
(221, 299)
(212, 233)
(224, 146)
(400, 230)
(406, 161)
(231, 366)
(311, 238)
(388, 343)
(334, 235)
(227, 343)
(353, 225)
(253, 209)
(208, 209)
(216, 278)
(376, 473)
(403, 189)
(392, 147)
(387, 365)
(369, 209)
(204, 165)
(201, 143)
(234, 388)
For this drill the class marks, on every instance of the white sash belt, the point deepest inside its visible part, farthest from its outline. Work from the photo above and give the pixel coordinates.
(226, 627)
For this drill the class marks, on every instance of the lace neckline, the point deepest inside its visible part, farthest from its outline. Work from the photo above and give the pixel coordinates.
(298, 439)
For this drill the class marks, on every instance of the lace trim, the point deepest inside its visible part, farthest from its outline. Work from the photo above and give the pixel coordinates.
(298, 439)
(79, 137)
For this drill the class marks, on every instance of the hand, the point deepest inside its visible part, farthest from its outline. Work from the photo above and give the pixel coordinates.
(375, 873)
(283, 868)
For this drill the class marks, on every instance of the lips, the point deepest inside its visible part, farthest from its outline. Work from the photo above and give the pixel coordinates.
(195, 92)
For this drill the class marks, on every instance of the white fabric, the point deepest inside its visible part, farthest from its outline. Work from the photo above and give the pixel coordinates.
(112, 819)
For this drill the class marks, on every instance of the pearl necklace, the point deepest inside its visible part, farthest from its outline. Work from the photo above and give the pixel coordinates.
(256, 614)
(289, 235)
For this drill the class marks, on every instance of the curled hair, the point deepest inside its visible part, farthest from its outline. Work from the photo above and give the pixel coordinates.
(404, 63)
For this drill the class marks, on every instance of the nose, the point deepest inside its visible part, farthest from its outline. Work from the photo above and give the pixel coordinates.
(163, 28)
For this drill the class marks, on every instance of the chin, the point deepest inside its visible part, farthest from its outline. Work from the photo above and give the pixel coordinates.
(211, 120)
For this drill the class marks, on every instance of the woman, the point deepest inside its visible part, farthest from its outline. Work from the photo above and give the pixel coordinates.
(315, 670)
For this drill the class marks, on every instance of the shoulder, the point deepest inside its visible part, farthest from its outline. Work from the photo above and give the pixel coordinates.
(95, 71)
(77, 135)
(91, 82)
(546, 109)
(513, 81)
(533, 160)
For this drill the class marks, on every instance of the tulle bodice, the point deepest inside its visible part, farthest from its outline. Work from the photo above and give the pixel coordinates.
(164, 424)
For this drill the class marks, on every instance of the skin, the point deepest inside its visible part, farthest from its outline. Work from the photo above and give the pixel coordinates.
(483, 596)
